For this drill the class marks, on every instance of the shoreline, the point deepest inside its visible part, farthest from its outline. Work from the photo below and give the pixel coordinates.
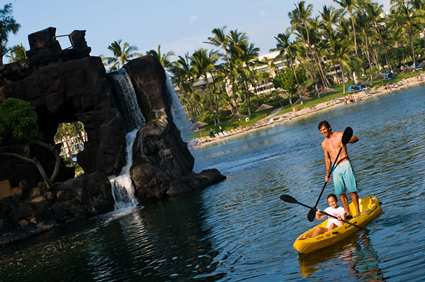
(273, 120)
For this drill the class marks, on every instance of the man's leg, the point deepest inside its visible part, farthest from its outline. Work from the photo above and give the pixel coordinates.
(344, 202)
(355, 200)
(350, 181)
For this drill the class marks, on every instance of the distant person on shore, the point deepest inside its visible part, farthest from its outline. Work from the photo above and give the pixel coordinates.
(343, 176)
(334, 210)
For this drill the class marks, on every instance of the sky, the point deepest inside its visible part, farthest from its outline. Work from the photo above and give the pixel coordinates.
(177, 25)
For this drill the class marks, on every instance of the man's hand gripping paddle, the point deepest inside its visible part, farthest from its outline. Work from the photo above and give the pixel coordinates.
(346, 136)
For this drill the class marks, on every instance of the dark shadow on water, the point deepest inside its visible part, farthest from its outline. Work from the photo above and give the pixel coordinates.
(356, 253)
(160, 242)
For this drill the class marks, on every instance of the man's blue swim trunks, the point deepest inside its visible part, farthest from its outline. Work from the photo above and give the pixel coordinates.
(343, 178)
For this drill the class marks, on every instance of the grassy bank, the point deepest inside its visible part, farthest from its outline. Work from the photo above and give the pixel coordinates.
(336, 94)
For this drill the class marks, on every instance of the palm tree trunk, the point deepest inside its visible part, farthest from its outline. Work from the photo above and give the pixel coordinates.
(247, 98)
(367, 49)
(381, 40)
(354, 33)
(215, 100)
(321, 72)
(412, 48)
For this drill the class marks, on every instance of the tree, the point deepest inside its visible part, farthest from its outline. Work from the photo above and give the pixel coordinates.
(287, 50)
(122, 53)
(203, 64)
(221, 40)
(163, 58)
(294, 83)
(248, 55)
(183, 77)
(18, 122)
(7, 25)
(18, 127)
(349, 5)
(17, 53)
(410, 18)
(304, 27)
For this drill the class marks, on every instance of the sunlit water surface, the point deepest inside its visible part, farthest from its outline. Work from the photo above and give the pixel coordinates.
(239, 230)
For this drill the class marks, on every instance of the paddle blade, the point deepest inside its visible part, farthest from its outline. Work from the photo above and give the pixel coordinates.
(311, 215)
(288, 199)
(346, 136)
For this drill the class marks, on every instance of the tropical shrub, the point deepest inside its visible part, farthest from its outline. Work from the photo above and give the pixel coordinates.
(18, 122)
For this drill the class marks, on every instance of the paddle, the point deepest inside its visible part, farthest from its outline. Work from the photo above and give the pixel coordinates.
(346, 136)
(292, 200)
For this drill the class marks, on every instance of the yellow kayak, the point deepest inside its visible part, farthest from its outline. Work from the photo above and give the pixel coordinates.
(370, 208)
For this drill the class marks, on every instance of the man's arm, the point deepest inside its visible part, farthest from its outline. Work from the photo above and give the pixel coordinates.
(327, 161)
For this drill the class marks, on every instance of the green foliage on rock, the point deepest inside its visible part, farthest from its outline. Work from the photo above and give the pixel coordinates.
(18, 122)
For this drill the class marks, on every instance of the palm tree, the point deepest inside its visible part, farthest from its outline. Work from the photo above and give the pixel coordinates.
(7, 25)
(17, 53)
(304, 27)
(163, 58)
(122, 53)
(375, 13)
(248, 55)
(349, 5)
(329, 19)
(183, 78)
(203, 63)
(341, 52)
(219, 39)
(410, 19)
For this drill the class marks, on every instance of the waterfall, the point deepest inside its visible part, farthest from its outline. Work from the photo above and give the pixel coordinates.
(127, 100)
(181, 120)
(122, 186)
(179, 115)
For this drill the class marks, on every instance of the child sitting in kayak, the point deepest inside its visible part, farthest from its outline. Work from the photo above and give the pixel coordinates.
(334, 210)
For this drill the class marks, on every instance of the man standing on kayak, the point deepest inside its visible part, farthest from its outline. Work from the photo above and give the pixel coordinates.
(343, 175)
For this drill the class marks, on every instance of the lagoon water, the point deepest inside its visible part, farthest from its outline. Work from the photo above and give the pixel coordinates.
(239, 230)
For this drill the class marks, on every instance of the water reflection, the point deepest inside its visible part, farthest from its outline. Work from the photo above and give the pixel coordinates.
(160, 242)
(356, 254)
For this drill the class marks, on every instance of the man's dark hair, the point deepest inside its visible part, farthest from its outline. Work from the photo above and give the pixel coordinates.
(332, 196)
(324, 123)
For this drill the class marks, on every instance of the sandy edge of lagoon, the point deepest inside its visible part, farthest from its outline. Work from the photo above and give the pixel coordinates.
(273, 120)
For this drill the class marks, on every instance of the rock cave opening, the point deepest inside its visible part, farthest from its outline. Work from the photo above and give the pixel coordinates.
(71, 136)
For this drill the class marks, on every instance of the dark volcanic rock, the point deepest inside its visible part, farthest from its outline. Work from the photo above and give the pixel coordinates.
(76, 90)
(67, 86)
(163, 163)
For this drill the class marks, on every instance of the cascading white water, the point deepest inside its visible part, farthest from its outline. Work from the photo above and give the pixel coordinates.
(179, 115)
(122, 186)
(127, 101)
(181, 120)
